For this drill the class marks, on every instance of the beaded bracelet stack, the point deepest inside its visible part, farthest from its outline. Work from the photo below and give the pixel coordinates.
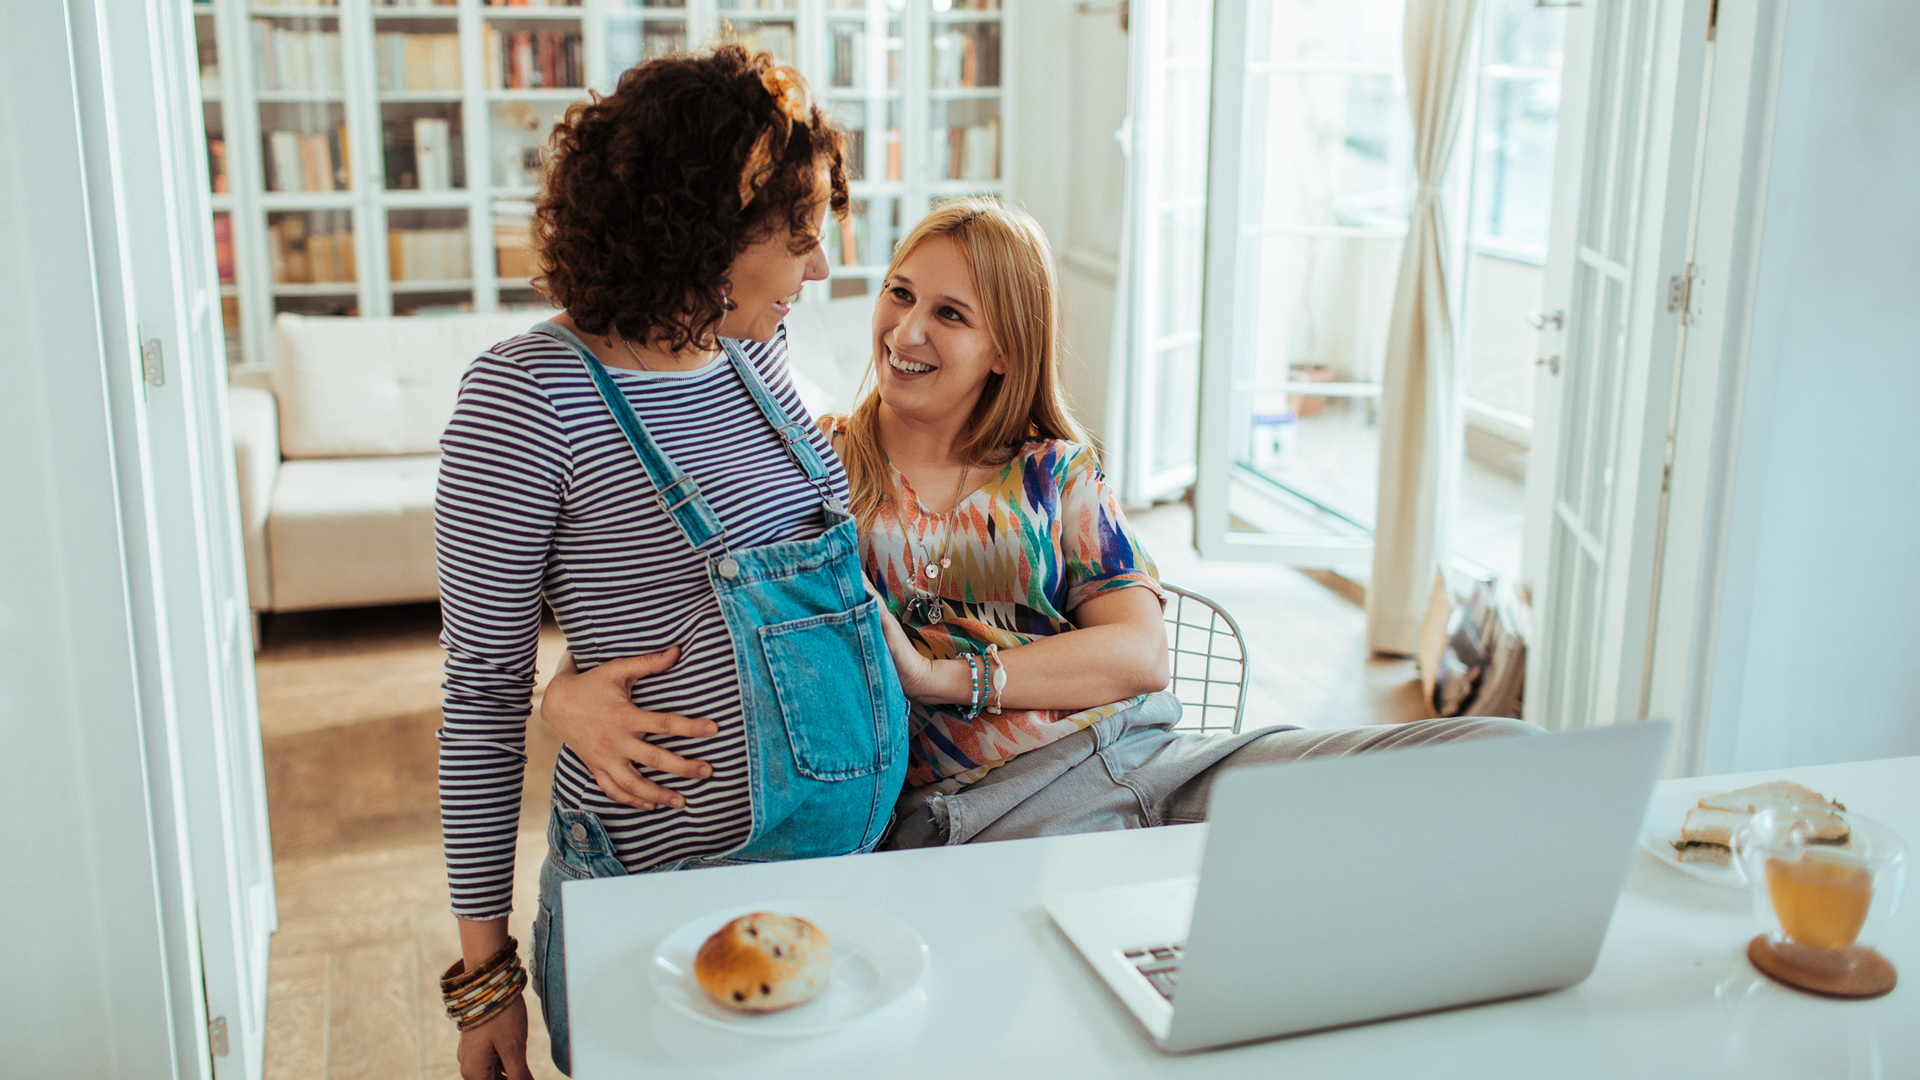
(977, 679)
(474, 996)
(986, 676)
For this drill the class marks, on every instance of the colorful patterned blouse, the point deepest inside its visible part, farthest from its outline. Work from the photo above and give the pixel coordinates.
(1026, 549)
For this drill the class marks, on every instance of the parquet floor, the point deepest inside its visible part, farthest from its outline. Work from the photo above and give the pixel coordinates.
(349, 704)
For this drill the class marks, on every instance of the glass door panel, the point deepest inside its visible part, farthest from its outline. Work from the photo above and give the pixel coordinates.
(1167, 181)
(1513, 128)
(1326, 183)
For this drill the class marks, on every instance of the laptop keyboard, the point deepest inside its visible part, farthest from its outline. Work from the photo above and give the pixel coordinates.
(1160, 964)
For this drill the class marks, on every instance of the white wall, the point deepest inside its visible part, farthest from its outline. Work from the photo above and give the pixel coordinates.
(1819, 626)
(85, 992)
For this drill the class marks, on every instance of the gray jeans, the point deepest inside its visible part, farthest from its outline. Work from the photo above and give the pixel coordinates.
(1133, 770)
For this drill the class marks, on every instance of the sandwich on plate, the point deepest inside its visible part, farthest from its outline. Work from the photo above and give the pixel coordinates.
(1707, 835)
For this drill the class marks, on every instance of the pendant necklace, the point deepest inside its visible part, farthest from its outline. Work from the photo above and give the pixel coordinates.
(930, 608)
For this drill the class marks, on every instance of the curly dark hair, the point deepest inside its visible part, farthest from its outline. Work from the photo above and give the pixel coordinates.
(640, 213)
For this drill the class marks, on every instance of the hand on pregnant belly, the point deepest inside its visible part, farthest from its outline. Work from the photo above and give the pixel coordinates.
(594, 713)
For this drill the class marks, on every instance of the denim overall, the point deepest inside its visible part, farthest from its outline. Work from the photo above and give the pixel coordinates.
(825, 719)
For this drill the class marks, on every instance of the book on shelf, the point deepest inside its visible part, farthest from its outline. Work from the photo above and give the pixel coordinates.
(299, 257)
(432, 153)
(849, 65)
(514, 253)
(413, 3)
(307, 161)
(893, 154)
(296, 61)
(968, 57)
(217, 163)
(533, 3)
(429, 254)
(416, 61)
(533, 59)
(973, 150)
(223, 246)
(853, 230)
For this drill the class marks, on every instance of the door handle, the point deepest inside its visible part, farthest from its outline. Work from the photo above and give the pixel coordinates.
(1551, 362)
(1539, 321)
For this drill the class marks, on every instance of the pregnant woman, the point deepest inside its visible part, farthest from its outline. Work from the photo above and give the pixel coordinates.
(642, 465)
(1029, 631)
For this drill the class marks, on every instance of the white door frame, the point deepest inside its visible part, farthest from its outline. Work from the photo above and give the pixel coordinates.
(148, 197)
(1735, 142)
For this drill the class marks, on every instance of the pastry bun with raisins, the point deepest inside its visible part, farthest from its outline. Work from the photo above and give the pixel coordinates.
(764, 962)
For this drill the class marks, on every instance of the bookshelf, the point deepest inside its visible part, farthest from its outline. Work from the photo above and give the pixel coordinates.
(381, 156)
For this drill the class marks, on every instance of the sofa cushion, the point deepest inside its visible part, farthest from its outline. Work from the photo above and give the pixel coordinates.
(352, 531)
(256, 461)
(366, 387)
(829, 348)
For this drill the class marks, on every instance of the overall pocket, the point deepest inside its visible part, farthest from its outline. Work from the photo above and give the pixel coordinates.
(838, 693)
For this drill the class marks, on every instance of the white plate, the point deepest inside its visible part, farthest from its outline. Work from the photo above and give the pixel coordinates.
(877, 959)
(1666, 812)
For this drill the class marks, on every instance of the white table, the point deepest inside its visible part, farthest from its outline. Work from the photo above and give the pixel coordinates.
(1005, 996)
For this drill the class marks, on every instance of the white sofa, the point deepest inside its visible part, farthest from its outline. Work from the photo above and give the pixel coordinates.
(337, 443)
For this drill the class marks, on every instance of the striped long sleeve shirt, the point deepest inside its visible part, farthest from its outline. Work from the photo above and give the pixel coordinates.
(541, 499)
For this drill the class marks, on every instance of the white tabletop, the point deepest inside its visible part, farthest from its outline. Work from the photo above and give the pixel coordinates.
(1006, 996)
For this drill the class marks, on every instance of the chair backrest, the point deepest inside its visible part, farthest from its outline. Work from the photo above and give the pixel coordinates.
(1209, 661)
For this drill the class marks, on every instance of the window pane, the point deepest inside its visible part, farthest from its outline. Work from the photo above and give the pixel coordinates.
(1338, 150)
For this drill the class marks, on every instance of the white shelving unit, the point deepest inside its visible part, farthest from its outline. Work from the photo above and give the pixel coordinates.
(320, 206)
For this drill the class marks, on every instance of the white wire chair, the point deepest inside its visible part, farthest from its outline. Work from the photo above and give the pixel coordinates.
(1208, 655)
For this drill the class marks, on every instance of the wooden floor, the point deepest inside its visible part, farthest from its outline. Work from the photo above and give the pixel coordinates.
(349, 706)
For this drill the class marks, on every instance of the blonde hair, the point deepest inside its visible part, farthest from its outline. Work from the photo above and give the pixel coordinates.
(1013, 273)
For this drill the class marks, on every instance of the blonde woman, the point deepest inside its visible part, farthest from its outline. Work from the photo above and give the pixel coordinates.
(1026, 616)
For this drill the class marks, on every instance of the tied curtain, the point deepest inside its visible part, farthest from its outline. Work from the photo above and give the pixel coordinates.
(1418, 419)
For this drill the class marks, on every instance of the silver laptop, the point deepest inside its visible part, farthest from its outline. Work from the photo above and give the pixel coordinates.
(1379, 885)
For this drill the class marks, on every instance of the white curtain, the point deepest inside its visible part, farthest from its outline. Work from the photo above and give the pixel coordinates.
(1417, 414)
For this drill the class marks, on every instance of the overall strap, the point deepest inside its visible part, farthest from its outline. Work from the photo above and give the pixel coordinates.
(677, 493)
(793, 433)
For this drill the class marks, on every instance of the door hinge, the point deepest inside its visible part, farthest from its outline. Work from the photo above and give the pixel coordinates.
(217, 1035)
(153, 363)
(1680, 293)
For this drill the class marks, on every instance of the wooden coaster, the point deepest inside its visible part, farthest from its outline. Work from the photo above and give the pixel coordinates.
(1853, 972)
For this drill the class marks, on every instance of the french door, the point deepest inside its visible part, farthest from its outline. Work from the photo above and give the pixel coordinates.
(1169, 43)
(1610, 348)
(1309, 186)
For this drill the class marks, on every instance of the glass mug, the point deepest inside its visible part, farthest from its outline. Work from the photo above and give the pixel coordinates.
(1823, 902)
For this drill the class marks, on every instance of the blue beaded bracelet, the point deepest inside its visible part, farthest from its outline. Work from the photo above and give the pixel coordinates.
(979, 686)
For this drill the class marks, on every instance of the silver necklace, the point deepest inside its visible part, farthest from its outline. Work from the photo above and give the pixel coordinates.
(644, 366)
(926, 608)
